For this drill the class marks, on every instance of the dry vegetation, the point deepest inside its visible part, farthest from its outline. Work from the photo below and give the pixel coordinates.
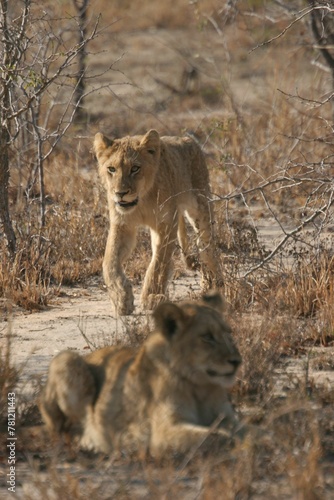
(270, 154)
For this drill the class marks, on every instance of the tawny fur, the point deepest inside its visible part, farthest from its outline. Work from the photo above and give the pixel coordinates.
(155, 182)
(162, 397)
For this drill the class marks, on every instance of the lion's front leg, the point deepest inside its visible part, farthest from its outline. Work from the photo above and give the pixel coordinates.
(160, 268)
(120, 243)
(182, 438)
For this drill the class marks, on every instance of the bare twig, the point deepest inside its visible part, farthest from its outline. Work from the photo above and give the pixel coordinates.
(304, 13)
(291, 234)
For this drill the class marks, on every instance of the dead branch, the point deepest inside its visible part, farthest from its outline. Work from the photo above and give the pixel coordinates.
(305, 12)
(290, 234)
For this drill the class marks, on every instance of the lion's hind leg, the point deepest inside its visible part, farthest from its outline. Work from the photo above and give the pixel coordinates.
(200, 217)
(191, 258)
(69, 391)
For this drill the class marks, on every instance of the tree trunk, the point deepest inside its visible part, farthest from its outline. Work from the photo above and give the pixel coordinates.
(81, 8)
(322, 23)
(4, 132)
(4, 202)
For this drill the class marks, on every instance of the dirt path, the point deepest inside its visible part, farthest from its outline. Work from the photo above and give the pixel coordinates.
(79, 316)
(82, 318)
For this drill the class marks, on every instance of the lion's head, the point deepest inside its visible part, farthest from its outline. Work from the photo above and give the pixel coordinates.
(127, 167)
(197, 342)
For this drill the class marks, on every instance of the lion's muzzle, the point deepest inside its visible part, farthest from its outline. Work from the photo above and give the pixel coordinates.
(123, 203)
(127, 204)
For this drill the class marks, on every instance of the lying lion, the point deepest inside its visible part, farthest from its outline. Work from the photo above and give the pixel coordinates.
(162, 397)
(156, 182)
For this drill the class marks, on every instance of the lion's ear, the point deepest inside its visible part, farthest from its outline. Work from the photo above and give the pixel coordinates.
(215, 300)
(168, 319)
(151, 142)
(101, 143)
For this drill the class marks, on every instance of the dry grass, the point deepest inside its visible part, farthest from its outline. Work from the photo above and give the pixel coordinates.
(269, 160)
(307, 289)
(68, 249)
(43, 263)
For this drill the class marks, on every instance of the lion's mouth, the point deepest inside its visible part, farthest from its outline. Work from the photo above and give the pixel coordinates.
(213, 373)
(127, 204)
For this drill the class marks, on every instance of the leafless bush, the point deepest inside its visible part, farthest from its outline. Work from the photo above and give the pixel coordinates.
(39, 102)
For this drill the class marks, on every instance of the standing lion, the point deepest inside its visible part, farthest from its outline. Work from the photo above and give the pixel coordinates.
(156, 182)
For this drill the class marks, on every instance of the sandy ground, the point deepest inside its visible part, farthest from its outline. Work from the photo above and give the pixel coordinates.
(80, 318)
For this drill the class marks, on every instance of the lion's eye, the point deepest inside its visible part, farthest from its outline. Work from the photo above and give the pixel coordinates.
(111, 170)
(135, 169)
(208, 337)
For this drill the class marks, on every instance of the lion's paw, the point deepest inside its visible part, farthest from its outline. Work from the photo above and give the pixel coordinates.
(124, 306)
(153, 300)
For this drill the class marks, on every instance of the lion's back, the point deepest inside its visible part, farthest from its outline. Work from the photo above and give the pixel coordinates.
(185, 158)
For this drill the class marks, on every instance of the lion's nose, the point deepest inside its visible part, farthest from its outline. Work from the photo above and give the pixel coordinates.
(121, 193)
